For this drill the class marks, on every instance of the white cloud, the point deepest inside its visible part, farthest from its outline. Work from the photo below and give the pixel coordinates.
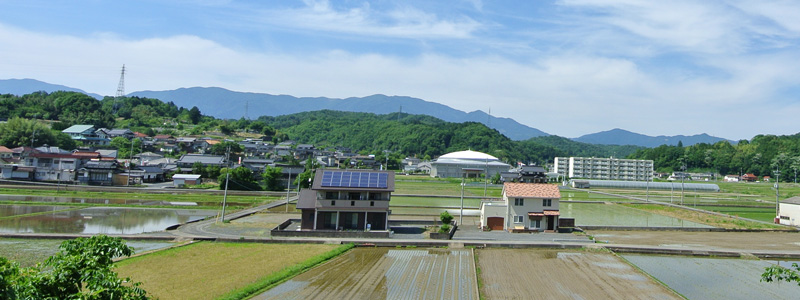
(568, 91)
(401, 22)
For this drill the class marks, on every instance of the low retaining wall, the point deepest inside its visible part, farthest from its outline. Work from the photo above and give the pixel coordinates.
(330, 234)
(445, 235)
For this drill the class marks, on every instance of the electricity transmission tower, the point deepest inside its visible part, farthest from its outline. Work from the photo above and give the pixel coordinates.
(120, 89)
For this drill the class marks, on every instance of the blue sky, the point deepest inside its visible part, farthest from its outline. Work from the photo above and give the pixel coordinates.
(567, 67)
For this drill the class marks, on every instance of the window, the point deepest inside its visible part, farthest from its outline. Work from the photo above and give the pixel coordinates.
(331, 195)
(372, 203)
(518, 219)
(352, 203)
(547, 202)
(519, 202)
(333, 202)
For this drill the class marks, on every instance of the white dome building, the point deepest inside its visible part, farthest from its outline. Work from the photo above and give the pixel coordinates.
(467, 163)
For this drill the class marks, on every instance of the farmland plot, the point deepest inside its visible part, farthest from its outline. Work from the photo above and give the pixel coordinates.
(714, 278)
(369, 273)
(617, 215)
(552, 274)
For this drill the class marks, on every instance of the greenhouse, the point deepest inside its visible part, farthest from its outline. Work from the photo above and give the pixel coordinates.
(583, 183)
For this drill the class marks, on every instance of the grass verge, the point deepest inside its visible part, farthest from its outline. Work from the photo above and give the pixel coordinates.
(276, 278)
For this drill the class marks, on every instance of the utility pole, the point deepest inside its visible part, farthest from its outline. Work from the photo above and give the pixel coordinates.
(683, 176)
(33, 137)
(777, 193)
(461, 213)
(288, 189)
(227, 181)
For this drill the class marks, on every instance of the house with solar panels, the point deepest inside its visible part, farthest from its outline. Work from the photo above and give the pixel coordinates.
(347, 200)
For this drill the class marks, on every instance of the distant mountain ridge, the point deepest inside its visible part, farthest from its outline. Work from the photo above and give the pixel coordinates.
(223, 103)
(618, 136)
(26, 86)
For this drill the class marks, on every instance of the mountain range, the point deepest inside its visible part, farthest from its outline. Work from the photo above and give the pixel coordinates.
(223, 103)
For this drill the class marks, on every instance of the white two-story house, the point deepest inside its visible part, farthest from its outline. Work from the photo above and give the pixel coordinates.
(525, 207)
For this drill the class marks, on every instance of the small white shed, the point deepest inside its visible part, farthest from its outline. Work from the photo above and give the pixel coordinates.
(179, 180)
(789, 210)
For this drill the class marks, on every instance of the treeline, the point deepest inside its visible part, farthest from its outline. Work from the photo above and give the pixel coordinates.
(427, 137)
(760, 156)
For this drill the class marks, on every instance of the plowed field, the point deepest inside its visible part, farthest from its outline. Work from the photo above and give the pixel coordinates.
(551, 274)
(369, 273)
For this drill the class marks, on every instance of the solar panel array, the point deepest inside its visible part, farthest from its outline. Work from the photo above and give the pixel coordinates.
(354, 179)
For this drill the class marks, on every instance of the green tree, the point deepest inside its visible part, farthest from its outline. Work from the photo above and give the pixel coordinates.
(779, 273)
(122, 145)
(272, 176)
(19, 132)
(194, 115)
(222, 148)
(199, 169)
(82, 269)
(241, 178)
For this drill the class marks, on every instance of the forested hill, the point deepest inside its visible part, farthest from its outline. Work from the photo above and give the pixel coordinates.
(762, 156)
(402, 133)
(427, 136)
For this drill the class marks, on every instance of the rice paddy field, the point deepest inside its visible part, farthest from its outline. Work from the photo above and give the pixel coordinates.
(208, 270)
(29, 252)
(379, 273)
(714, 278)
(610, 214)
(552, 274)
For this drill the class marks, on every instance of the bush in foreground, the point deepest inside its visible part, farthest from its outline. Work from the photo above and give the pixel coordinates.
(82, 269)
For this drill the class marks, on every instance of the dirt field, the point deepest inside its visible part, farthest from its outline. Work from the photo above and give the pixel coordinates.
(370, 273)
(552, 274)
(713, 240)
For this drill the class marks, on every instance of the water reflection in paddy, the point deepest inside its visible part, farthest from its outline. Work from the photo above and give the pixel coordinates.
(106, 220)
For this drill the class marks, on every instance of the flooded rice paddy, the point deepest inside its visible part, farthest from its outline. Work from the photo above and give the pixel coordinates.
(554, 274)
(29, 252)
(714, 278)
(94, 220)
(103, 201)
(374, 273)
(600, 214)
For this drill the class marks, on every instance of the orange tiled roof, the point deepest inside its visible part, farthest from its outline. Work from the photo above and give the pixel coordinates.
(5, 149)
(531, 190)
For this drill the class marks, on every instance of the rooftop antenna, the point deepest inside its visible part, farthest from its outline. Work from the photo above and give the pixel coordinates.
(120, 89)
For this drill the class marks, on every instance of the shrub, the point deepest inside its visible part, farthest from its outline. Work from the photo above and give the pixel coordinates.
(446, 217)
(444, 229)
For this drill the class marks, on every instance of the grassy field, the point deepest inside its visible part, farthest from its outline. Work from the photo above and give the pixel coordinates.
(702, 218)
(444, 187)
(766, 214)
(764, 189)
(433, 202)
(205, 200)
(209, 270)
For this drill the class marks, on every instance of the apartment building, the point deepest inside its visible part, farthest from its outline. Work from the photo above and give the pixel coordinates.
(604, 168)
